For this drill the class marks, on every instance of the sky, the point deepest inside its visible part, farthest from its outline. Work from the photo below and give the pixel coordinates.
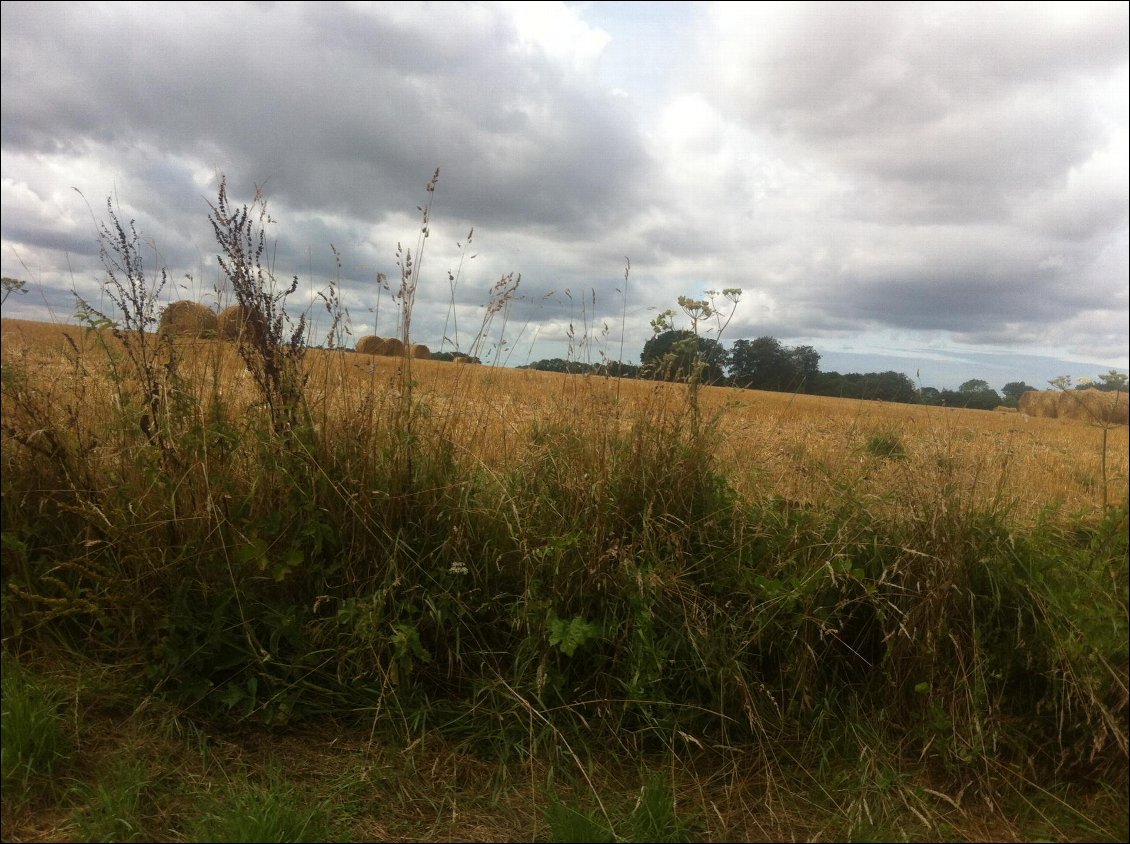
(935, 189)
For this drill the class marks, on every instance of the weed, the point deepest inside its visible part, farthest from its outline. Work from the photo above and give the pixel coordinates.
(273, 354)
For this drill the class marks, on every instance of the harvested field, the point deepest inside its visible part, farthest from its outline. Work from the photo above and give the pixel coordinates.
(802, 448)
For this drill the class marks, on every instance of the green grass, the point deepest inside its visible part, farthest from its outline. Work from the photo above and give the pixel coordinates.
(33, 740)
(273, 812)
(117, 804)
(653, 817)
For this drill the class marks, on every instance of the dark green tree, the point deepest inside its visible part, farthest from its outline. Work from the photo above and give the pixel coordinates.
(930, 395)
(676, 354)
(806, 366)
(559, 365)
(1013, 390)
(973, 399)
(762, 364)
(876, 386)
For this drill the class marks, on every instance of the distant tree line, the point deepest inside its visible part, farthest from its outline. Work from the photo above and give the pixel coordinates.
(766, 364)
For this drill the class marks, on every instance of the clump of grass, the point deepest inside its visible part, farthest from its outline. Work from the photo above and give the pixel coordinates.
(33, 740)
(567, 824)
(652, 818)
(116, 805)
(887, 446)
(254, 813)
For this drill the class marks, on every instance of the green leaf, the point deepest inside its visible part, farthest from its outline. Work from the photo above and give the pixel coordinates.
(233, 695)
(254, 551)
(567, 636)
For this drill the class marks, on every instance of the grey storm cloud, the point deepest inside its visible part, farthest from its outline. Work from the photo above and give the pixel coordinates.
(342, 108)
(955, 169)
(1002, 126)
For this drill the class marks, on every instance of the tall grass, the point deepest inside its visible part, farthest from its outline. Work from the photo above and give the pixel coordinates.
(589, 576)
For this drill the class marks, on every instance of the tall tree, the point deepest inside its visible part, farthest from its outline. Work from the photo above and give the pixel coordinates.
(762, 364)
(677, 354)
(806, 367)
(1015, 389)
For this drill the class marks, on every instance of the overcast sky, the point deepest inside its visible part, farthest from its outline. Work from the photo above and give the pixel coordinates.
(939, 189)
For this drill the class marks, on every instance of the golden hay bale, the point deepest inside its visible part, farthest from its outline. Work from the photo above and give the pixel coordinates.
(460, 359)
(1049, 404)
(1030, 402)
(420, 351)
(1093, 406)
(232, 322)
(392, 347)
(369, 345)
(1119, 409)
(188, 319)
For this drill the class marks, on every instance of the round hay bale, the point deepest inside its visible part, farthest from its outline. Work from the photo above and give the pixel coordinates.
(1042, 403)
(1047, 405)
(233, 322)
(1050, 403)
(420, 351)
(392, 347)
(1093, 406)
(370, 345)
(188, 319)
(1030, 402)
(460, 359)
(1073, 404)
(1119, 408)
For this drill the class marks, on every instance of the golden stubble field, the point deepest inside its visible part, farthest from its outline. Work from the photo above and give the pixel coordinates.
(807, 449)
